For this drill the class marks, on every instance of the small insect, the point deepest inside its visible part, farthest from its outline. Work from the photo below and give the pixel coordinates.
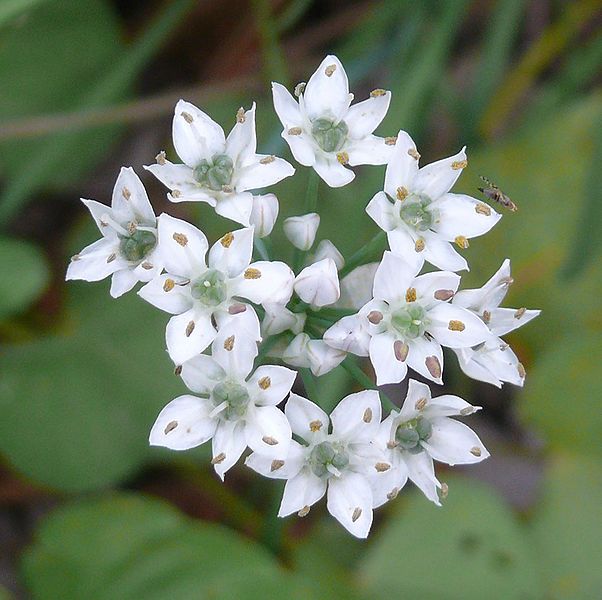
(494, 193)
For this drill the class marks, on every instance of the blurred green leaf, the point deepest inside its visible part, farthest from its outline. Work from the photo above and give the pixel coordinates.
(5, 594)
(563, 395)
(24, 275)
(10, 9)
(566, 529)
(78, 407)
(470, 549)
(127, 547)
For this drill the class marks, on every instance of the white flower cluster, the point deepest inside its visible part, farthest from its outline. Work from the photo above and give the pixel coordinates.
(245, 310)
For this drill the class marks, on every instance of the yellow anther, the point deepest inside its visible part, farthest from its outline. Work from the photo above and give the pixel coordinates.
(411, 294)
(180, 238)
(459, 164)
(414, 153)
(315, 426)
(461, 242)
(240, 115)
(229, 343)
(252, 273)
(168, 285)
(343, 157)
(187, 117)
(267, 159)
(329, 70)
(482, 209)
(264, 383)
(227, 240)
(190, 328)
(419, 245)
(377, 92)
(456, 325)
(402, 193)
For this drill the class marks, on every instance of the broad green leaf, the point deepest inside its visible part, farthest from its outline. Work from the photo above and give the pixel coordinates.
(562, 399)
(24, 275)
(471, 548)
(124, 547)
(5, 594)
(78, 407)
(9, 9)
(566, 529)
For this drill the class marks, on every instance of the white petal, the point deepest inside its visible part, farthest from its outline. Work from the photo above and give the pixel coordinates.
(426, 357)
(326, 94)
(386, 485)
(196, 136)
(245, 322)
(421, 472)
(236, 207)
(232, 253)
(97, 261)
(427, 285)
(393, 278)
(382, 355)
(167, 293)
(130, 198)
(350, 503)
(201, 374)
(371, 150)
(305, 417)
(356, 287)
(318, 284)
(454, 443)
(490, 295)
(179, 179)
(458, 216)
(265, 281)
(182, 247)
(442, 254)
(301, 230)
(471, 365)
(437, 179)
(326, 249)
(287, 108)
(357, 417)
(234, 351)
(382, 211)
(268, 431)
(278, 318)
(323, 358)
(296, 354)
(402, 167)
(303, 490)
(98, 210)
(505, 320)
(122, 281)
(184, 423)
(188, 334)
(264, 214)
(448, 406)
(229, 442)
(332, 171)
(403, 243)
(285, 468)
(364, 117)
(271, 384)
(302, 146)
(417, 392)
(265, 170)
(241, 143)
(349, 335)
(456, 327)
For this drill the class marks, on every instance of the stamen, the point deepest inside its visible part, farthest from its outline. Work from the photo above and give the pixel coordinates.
(218, 409)
(176, 193)
(240, 115)
(461, 242)
(520, 312)
(393, 494)
(220, 458)
(467, 410)
(475, 451)
(107, 221)
(392, 444)
(299, 88)
(400, 350)
(420, 404)
(190, 328)
(125, 192)
(482, 209)
(377, 92)
(381, 467)
(414, 153)
(329, 70)
(375, 317)
(419, 245)
(434, 366)
(402, 193)
(146, 266)
(170, 427)
(486, 316)
(521, 370)
(75, 258)
(168, 285)
(357, 513)
(443, 295)
(391, 140)
(295, 131)
(456, 325)
(411, 295)
(227, 189)
(187, 117)
(459, 164)
(270, 441)
(343, 158)
(227, 240)
(177, 371)
(444, 491)
(229, 343)
(267, 160)
(332, 469)
(131, 227)
(160, 158)
(367, 418)
(276, 464)
(180, 238)
(252, 273)
(304, 511)
(236, 309)
(264, 383)
(111, 257)
(315, 426)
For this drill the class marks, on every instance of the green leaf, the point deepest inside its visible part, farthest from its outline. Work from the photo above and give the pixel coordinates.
(566, 529)
(24, 275)
(77, 408)
(563, 394)
(471, 548)
(128, 547)
(13, 8)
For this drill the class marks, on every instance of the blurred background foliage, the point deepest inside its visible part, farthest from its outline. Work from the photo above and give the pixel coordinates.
(87, 509)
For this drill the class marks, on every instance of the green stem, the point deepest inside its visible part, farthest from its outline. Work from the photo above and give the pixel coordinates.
(273, 58)
(311, 202)
(354, 370)
(310, 385)
(262, 249)
(333, 313)
(273, 526)
(364, 253)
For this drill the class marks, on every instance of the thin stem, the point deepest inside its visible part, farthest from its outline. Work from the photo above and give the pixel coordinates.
(364, 253)
(310, 385)
(333, 313)
(354, 370)
(311, 202)
(273, 525)
(273, 58)
(262, 249)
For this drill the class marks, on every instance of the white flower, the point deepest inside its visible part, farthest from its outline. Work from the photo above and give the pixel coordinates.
(278, 319)
(301, 231)
(264, 214)
(196, 292)
(127, 250)
(419, 214)
(296, 354)
(235, 409)
(326, 249)
(409, 320)
(337, 463)
(318, 284)
(218, 170)
(420, 433)
(325, 132)
(493, 361)
(356, 287)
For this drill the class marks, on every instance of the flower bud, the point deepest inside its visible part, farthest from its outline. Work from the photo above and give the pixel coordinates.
(350, 335)
(323, 358)
(318, 284)
(278, 319)
(326, 249)
(264, 214)
(356, 287)
(296, 354)
(301, 231)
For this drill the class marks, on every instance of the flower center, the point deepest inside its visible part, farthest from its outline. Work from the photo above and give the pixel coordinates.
(411, 433)
(411, 321)
(330, 137)
(215, 174)
(209, 288)
(327, 458)
(415, 212)
(235, 398)
(138, 245)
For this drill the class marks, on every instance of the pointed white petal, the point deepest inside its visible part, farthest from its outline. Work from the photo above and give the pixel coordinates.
(421, 472)
(371, 150)
(403, 243)
(382, 211)
(442, 254)
(364, 117)
(437, 179)
(184, 423)
(265, 281)
(326, 94)
(426, 357)
(182, 247)
(232, 253)
(448, 406)
(454, 443)
(179, 179)
(305, 417)
(229, 442)
(490, 295)
(393, 277)
(302, 491)
(167, 293)
(241, 143)
(461, 215)
(130, 199)
(284, 468)
(350, 503)
(287, 108)
(302, 145)
(98, 210)
(236, 207)
(456, 327)
(265, 170)
(418, 392)
(402, 167)
(97, 261)
(387, 367)
(201, 374)
(268, 431)
(188, 334)
(122, 281)
(270, 384)
(470, 364)
(442, 283)
(332, 171)
(245, 322)
(505, 320)
(386, 485)
(234, 351)
(357, 417)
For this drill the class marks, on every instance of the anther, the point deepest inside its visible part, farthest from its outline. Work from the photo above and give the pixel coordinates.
(391, 140)
(126, 193)
(264, 383)
(190, 328)
(367, 418)
(475, 451)
(160, 158)
(168, 285)
(276, 464)
(520, 312)
(375, 317)
(444, 491)
(220, 458)
(411, 294)
(506, 280)
(170, 427)
(329, 70)
(131, 227)
(521, 370)
(229, 343)
(381, 467)
(434, 366)
(267, 159)
(146, 266)
(299, 88)
(176, 193)
(443, 295)
(304, 511)
(402, 193)
(270, 441)
(111, 257)
(420, 404)
(252, 273)
(486, 316)
(236, 309)
(467, 410)
(459, 164)
(75, 257)
(393, 494)
(357, 513)
(180, 238)
(240, 115)
(227, 240)
(461, 242)
(392, 444)
(400, 350)
(414, 153)
(295, 131)
(377, 92)
(177, 371)
(187, 117)
(227, 189)
(343, 158)
(315, 426)
(454, 325)
(419, 245)
(482, 209)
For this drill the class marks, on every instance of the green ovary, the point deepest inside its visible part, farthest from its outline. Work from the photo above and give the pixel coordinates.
(215, 174)
(210, 288)
(235, 395)
(325, 454)
(411, 433)
(415, 212)
(330, 137)
(411, 321)
(138, 245)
